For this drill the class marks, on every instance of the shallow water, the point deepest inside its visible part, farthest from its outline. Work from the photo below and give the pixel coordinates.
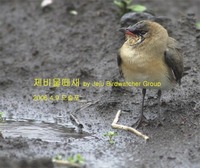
(45, 131)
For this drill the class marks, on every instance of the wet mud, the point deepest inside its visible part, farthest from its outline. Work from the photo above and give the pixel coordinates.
(52, 43)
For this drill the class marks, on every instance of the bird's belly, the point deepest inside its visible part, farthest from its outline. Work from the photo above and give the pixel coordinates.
(152, 74)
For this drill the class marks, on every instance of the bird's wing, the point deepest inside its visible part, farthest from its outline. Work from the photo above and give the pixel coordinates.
(119, 62)
(174, 58)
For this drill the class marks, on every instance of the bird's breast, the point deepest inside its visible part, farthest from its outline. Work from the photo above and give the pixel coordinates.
(147, 68)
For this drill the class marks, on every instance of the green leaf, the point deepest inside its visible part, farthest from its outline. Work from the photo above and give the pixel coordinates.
(1, 116)
(80, 158)
(118, 3)
(71, 159)
(128, 2)
(58, 157)
(112, 142)
(122, 3)
(137, 8)
(112, 133)
(198, 25)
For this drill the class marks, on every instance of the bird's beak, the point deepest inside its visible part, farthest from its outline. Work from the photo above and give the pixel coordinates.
(127, 31)
(131, 29)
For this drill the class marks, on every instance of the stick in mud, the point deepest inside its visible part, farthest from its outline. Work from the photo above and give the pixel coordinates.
(76, 123)
(126, 128)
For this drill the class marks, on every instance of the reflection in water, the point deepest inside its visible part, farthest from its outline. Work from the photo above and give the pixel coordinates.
(44, 131)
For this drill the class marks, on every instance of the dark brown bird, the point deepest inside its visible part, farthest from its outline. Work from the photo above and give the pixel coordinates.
(151, 57)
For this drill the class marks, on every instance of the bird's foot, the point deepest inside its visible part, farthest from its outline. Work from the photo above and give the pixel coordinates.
(142, 121)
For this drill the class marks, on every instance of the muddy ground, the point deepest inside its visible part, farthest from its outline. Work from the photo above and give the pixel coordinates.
(52, 43)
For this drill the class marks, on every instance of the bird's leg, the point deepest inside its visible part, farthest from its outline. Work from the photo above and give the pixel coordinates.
(142, 118)
(159, 122)
(159, 100)
(143, 96)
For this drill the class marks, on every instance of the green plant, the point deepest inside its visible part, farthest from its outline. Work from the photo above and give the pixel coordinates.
(198, 25)
(1, 117)
(110, 135)
(72, 161)
(58, 157)
(78, 158)
(126, 6)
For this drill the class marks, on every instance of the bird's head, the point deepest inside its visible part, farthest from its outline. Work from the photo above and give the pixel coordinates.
(145, 32)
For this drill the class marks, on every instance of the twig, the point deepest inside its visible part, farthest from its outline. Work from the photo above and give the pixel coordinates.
(75, 121)
(86, 106)
(126, 128)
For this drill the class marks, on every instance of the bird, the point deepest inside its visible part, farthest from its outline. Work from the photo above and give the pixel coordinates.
(152, 58)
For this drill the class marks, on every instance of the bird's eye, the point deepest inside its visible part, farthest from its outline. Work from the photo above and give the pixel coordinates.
(142, 32)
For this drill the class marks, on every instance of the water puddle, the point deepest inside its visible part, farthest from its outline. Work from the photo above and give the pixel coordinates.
(44, 131)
